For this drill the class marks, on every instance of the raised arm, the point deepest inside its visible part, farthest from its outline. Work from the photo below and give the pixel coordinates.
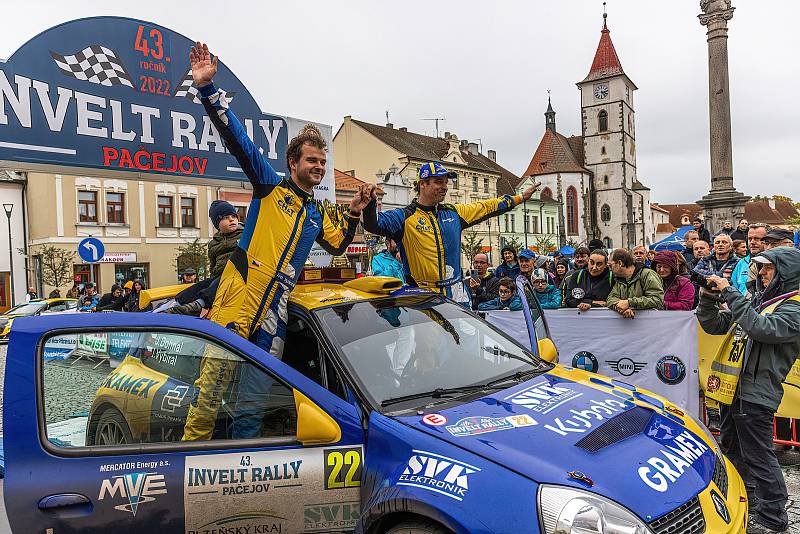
(386, 223)
(336, 238)
(255, 166)
(477, 212)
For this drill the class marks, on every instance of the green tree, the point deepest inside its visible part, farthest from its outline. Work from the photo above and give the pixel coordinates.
(194, 255)
(56, 265)
(545, 242)
(781, 198)
(515, 243)
(471, 244)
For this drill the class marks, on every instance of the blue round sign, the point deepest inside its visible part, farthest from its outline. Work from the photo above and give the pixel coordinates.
(91, 250)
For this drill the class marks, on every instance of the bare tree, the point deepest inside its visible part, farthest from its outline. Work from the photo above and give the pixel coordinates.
(56, 265)
(194, 255)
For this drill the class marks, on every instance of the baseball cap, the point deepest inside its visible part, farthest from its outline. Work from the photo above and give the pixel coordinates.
(435, 169)
(539, 274)
(527, 254)
(779, 234)
(190, 271)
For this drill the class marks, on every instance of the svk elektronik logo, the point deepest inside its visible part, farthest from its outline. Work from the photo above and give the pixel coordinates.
(440, 474)
(586, 361)
(670, 370)
(138, 488)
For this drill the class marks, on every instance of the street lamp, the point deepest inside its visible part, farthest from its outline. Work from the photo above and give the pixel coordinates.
(489, 227)
(9, 208)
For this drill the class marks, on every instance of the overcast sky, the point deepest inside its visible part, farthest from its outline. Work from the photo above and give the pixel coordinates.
(486, 67)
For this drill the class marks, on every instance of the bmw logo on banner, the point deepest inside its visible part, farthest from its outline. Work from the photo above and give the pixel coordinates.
(585, 360)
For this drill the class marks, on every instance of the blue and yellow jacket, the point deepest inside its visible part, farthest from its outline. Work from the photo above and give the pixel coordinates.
(283, 222)
(429, 238)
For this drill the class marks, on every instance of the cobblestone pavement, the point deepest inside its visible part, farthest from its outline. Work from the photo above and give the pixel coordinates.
(73, 400)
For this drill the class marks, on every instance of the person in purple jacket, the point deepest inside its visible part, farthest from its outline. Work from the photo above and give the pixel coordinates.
(678, 289)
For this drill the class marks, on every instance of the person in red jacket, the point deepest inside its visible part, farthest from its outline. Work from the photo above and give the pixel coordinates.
(678, 289)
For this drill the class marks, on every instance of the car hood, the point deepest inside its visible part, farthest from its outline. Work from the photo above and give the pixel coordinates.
(576, 429)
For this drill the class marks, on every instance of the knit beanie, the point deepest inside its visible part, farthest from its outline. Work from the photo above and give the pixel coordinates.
(218, 210)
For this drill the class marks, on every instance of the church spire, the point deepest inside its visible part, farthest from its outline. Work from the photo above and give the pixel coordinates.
(549, 115)
(606, 61)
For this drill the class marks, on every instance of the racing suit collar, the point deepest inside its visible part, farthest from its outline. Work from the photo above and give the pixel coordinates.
(432, 209)
(305, 196)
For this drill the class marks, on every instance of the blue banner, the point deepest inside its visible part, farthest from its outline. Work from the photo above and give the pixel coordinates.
(115, 93)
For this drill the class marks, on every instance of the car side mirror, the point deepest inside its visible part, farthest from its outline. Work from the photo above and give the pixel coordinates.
(547, 350)
(314, 425)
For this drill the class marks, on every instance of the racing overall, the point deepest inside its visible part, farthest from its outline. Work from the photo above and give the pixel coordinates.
(282, 225)
(429, 239)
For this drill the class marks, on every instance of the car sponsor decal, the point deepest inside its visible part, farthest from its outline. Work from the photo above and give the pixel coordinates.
(593, 414)
(327, 517)
(434, 419)
(439, 474)
(543, 397)
(133, 489)
(680, 449)
(129, 383)
(289, 490)
(472, 426)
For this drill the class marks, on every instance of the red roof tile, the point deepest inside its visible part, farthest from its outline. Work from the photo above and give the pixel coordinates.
(676, 211)
(554, 154)
(346, 182)
(786, 209)
(606, 61)
(759, 211)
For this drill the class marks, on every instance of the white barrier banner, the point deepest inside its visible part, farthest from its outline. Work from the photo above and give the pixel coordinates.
(657, 350)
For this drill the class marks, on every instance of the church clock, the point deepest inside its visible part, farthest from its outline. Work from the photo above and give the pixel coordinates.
(601, 91)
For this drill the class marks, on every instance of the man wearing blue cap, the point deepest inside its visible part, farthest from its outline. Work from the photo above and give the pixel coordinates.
(428, 232)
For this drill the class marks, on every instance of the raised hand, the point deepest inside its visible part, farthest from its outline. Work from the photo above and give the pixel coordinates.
(362, 197)
(528, 193)
(203, 67)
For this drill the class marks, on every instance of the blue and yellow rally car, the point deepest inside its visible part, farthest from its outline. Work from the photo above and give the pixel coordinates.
(392, 410)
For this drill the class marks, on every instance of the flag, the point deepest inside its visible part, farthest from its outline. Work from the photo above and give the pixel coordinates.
(95, 64)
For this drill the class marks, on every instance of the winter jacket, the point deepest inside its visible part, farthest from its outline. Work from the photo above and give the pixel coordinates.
(550, 298)
(504, 271)
(585, 288)
(487, 291)
(643, 291)
(384, 264)
(691, 260)
(704, 234)
(679, 294)
(513, 304)
(108, 303)
(773, 342)
(73, 292)
(711, 265)
(87, 303)
(738, 234)
(739, 276)
(220, 249)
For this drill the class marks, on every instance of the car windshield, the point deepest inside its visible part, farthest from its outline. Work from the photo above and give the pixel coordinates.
(410, 346)
(29, 308)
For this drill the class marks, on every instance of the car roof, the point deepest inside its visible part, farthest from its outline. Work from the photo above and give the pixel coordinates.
(318, 295)
(54, 299)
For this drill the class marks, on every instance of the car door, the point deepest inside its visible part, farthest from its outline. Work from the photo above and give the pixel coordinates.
(250, 443)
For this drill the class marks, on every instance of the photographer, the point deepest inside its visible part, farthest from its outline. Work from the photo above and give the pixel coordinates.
(771, 328)
(483, 285)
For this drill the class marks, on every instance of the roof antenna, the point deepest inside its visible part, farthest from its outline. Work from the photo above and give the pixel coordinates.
(387, 116)
(436, 121)
(605, 16)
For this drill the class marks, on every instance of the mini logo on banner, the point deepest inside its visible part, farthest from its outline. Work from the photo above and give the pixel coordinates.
(626, 366)
(434, 419)
(670, 370)
(585, 360)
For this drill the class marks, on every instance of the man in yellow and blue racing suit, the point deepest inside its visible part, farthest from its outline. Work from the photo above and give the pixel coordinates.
(428, 232)
(284, 221)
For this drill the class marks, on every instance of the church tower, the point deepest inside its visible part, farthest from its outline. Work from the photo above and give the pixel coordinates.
(621, 204)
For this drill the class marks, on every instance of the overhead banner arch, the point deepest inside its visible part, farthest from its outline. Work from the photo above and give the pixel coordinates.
(115, 93)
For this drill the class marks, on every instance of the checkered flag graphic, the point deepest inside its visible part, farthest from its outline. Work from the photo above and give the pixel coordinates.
(95, 64)
(187, 90)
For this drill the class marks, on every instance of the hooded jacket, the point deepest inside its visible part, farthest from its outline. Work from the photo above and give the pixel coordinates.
(504, 270)
(711, 265)
(582, 287)
(678, 290)
(550, 298)
(643, 290)
(513, 304)
(385, 264)
(773, 342)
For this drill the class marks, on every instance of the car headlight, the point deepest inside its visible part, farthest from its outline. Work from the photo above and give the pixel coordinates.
(571, 511)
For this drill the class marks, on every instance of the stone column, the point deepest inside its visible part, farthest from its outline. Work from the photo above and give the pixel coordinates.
(724, 202)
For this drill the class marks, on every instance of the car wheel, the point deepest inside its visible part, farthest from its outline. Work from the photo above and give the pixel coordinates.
(416, 526)
(112, 429)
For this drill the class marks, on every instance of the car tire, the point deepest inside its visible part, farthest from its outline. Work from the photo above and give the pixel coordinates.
(112, 429)
(416, 526)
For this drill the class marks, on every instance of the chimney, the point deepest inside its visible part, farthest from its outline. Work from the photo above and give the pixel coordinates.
(403, 129)
(463, 143)
(390, 125)
(771, 202)
(492, 155)
(447, 135)
(472, 148)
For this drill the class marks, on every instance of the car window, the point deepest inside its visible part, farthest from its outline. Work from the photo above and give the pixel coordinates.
(536, 312)
(72, 304)
(29, 308)
(119, 388)
(57, 307)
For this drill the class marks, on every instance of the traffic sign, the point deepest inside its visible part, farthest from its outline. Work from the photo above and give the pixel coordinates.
(91, 250)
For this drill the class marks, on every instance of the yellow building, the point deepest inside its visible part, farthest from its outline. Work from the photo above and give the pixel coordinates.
(142, 223)
(369, 150)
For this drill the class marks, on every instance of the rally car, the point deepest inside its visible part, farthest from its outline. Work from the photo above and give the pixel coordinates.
(392, 410)
(35, 307)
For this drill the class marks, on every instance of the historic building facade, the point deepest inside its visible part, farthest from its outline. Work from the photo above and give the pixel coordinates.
(594, 174)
